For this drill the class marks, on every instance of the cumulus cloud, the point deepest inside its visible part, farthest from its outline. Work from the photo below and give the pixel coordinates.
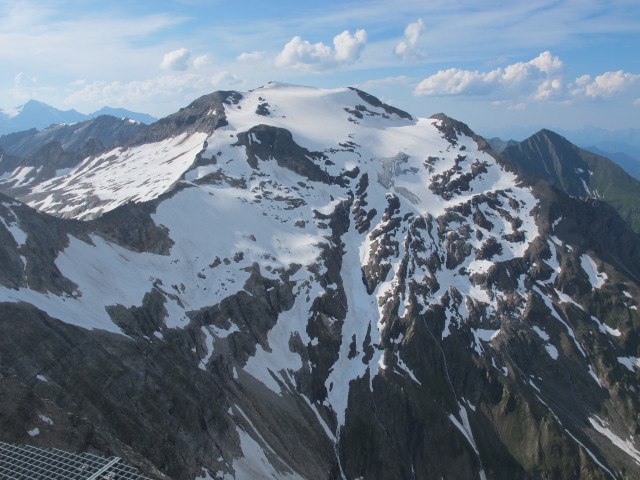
(176, 60)
(250, 56)
(303, 55)
(202, 61)
(542, 79)
(407, 48)
(607, 85)
(537, 79)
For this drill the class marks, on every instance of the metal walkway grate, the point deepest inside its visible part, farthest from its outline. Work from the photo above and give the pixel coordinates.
(24, 462)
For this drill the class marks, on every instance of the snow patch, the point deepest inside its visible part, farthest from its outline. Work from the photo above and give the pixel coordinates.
(604, 328)
(45, 419)
(541, 333)
(631, 363)
(553, 312)
(594, 376)
(590, 267)
(552, 351)
(626, 446)
(14, 228)
(254, 463)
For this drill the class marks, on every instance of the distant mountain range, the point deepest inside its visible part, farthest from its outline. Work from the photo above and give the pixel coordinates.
(39, 115)
(624, 140)
(630, 162)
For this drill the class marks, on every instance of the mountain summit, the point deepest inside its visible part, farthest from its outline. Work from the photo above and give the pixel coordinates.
(577, 172)
(302, 283)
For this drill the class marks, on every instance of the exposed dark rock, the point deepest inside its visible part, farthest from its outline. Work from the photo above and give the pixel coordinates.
(371, 100)
(205, 114)
(277, 143)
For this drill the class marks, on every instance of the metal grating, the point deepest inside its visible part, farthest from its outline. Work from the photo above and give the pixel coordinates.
(24, 462)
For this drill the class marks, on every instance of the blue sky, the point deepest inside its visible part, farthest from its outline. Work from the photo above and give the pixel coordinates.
(563, 64)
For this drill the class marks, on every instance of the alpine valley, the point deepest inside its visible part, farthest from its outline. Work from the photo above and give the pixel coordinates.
(311, 284)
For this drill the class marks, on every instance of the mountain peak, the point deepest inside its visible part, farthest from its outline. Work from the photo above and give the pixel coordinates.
(551, 135)
(577, 172)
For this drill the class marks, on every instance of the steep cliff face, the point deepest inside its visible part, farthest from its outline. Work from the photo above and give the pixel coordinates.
(303, 283)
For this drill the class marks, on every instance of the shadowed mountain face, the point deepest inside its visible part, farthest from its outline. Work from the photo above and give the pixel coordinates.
(302, 283)
(578, 172)
(106, 130)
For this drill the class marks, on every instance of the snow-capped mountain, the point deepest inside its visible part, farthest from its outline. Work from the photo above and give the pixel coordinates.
(301, 283)
(39, 115)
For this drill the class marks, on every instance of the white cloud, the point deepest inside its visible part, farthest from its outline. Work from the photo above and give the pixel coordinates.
(176, 60)
(407, 48)
(538, 79)
(348, 47)
(607, 85)
(301, 54)
(249, 57)
(225, 79)
(140, 92)
(202, 61)
(542, 79)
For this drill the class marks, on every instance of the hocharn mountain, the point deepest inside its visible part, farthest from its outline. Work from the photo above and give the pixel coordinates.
(301, 283)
